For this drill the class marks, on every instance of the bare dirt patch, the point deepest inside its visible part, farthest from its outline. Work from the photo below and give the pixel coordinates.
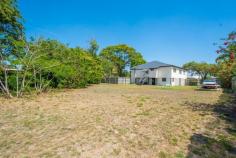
(108, 121)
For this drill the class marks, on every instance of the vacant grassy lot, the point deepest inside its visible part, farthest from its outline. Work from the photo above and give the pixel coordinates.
(119, 121)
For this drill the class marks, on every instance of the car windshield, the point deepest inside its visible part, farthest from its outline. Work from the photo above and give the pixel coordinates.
(209, 81)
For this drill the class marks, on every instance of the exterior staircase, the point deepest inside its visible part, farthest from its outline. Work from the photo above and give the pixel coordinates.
(144, 78)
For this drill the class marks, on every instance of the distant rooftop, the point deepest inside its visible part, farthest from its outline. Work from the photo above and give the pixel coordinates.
(152, 64)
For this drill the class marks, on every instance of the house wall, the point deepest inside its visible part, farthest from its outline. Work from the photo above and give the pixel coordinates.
(164, 72)
(132, 76)
(141, 73)
(136, 74)
(172, 75)
(153, 73)
(178, 76)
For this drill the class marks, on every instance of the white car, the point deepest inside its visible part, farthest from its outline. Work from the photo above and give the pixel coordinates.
(210, 84)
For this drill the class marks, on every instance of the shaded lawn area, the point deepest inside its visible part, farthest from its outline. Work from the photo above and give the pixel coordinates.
(119, 121)
(219, 138)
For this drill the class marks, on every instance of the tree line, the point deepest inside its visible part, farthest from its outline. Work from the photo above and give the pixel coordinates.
(36, 65)
(224, 68)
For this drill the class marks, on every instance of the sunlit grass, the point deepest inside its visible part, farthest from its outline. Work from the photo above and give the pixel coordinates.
(108, 121)
(176, 87)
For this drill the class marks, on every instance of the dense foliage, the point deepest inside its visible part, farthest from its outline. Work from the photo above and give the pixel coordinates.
(225, 67)
(120, 58)
(11, 39)
(49, 63)
(226, 60)
(64, 66)
(204, 70)
(11, 29)
(40, 64)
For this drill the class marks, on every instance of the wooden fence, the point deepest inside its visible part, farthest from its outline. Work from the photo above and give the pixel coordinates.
(117, 80)
(192, 82)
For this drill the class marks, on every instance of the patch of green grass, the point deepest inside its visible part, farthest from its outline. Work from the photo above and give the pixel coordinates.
(139, 104)
(179, 154)
(144, 98)
(98, 119)
(47, 154)
(9, 114)
(176, 87)
(123, 131)
(144, 113)
(116, 152)
(38, 120)
(162, 154)
(130, 101)
(225, 142)
(6, 144)
(173, 141)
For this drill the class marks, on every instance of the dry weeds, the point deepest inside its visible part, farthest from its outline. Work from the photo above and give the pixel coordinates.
(104, 121)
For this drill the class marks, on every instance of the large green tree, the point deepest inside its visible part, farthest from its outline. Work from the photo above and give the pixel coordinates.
(11, 29)
(52, 64)
(203, 69)
(64, 66)
(227, 50)
(11, 40)
(93, 47)
(121, 57)
(226, 60)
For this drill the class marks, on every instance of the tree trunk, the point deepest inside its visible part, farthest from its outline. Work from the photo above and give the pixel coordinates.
(17, 84)
(22, 84)
(35, 80)
(6, 84)
(2, 87)
(6, 79)
(40, 80)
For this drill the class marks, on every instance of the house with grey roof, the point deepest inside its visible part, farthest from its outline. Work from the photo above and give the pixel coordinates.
(158, 73)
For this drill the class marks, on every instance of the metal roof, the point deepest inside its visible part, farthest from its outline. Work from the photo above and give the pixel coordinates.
(152, 64)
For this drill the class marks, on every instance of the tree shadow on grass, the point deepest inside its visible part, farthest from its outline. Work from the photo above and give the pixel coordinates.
(220, 139)
(206, 146)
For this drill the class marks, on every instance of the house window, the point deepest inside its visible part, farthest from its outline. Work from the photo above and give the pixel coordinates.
(174, 70)
(180, 71)
(184, 72)
(173, 80)
(163, 79)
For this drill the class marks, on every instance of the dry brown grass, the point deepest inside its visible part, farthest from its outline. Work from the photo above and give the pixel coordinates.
(104, 121)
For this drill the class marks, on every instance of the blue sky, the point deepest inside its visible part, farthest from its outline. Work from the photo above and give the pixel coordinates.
(171, 31)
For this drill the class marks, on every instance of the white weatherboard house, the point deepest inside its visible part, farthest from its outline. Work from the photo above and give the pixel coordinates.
(158, 73)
